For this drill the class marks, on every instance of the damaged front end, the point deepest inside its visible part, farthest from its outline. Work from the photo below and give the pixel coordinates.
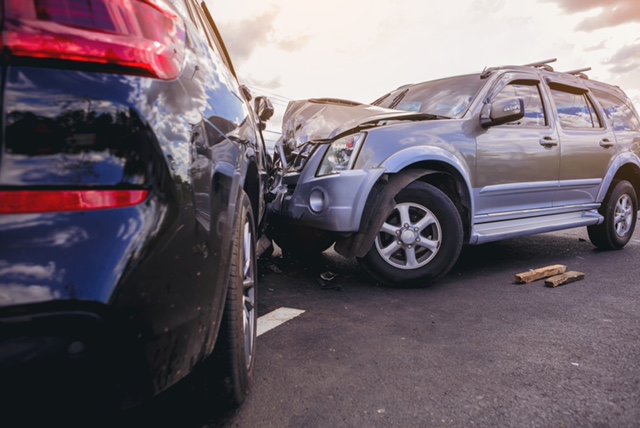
(316, 196)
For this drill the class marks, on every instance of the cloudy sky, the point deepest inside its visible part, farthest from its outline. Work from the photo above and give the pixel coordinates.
(361, 49)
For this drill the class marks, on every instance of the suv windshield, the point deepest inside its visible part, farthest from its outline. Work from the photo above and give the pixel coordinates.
(444, 97)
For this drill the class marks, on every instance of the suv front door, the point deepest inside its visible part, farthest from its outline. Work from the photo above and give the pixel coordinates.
(517, 163)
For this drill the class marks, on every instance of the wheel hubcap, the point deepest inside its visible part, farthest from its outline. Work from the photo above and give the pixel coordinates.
(410, 237)
(248, 295)
(623, 216)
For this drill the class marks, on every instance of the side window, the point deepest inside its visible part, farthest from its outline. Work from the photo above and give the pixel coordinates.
(619, 114)
(575, 110)
(533, 109)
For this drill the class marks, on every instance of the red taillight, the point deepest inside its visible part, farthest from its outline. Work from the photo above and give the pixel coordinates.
(143, 36)
(42, 201)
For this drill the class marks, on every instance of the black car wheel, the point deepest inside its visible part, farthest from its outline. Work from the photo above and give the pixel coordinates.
(227, 374)
(420, 240)
(620, 211)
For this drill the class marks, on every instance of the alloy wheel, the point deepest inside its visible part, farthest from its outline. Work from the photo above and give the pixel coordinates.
(249, 289)
(410, 237)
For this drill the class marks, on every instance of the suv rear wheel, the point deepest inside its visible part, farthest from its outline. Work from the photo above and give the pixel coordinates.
(620, 211)
(420, 240)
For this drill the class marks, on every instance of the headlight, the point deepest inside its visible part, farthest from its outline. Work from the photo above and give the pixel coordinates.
(341, 155)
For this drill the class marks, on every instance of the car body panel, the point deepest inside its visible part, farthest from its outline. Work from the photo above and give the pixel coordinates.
(514, 171)
(327, 118)
(585, 162)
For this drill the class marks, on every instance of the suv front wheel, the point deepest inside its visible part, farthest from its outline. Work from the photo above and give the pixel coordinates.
(620, 211)
(419, 242)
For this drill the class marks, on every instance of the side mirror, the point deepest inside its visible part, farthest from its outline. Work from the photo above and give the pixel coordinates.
(201, 145)
(264, 108)
(502, 112)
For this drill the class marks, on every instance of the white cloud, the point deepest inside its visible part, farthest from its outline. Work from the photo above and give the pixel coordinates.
(13, 294)
(362, 48)
(609, 13)
(29, 271)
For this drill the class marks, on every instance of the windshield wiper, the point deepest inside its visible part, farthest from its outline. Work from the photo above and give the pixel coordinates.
(410, 117)
(398, 98)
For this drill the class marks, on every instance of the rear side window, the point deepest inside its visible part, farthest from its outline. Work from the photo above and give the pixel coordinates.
(575, 110)
(619, 114)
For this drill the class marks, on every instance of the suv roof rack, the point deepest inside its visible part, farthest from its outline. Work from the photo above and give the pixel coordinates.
(579, 72)
(538, 64)
(542, 64)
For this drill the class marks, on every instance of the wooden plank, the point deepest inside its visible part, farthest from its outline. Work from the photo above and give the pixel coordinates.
(544, 272)
(565, 278)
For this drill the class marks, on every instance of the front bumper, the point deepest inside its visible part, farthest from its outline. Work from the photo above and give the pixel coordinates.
(333, 203)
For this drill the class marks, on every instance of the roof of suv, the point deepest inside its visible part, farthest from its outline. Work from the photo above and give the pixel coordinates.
(577, 77)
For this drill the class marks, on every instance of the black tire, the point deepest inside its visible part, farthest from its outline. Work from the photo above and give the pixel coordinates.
(414, 263)
(620, 212)
(227, 374)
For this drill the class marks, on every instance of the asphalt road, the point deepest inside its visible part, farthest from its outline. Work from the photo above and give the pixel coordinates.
(473, 350)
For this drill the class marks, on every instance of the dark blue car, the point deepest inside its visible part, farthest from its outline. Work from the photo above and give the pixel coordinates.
(132, 181)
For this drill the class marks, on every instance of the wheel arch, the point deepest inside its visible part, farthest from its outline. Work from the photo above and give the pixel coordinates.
(253, 188)
(631, 173)
(380, 202)
(625, 167)
(227, 184)
(453, 184)
(450, 174)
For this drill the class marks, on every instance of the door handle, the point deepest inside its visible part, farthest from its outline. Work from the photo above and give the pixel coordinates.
(605, 143)
(548, 142)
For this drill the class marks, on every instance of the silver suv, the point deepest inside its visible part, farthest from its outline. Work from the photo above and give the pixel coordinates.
(403, 183)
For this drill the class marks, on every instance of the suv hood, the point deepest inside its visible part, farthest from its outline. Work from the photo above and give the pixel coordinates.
(319, 119)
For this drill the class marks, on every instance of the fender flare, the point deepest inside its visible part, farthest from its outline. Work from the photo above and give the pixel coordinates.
(620, 161)
(382, 199)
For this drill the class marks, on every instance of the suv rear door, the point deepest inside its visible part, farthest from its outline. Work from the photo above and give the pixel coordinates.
(587, 144)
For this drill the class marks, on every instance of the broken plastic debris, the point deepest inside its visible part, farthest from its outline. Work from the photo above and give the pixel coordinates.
(274, 268)
(326, 286)
(328, 275)
(262, 245)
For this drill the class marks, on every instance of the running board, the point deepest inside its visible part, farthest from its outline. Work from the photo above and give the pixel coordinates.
(498, 230)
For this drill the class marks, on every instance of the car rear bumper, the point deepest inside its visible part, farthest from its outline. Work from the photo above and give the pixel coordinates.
(68, 358)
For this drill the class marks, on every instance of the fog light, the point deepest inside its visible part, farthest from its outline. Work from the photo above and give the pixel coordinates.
(316, 201)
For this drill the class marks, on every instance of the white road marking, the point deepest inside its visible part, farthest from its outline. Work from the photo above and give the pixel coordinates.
(276, 318)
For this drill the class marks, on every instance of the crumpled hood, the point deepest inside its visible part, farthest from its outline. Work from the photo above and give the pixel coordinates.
(325, 118)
